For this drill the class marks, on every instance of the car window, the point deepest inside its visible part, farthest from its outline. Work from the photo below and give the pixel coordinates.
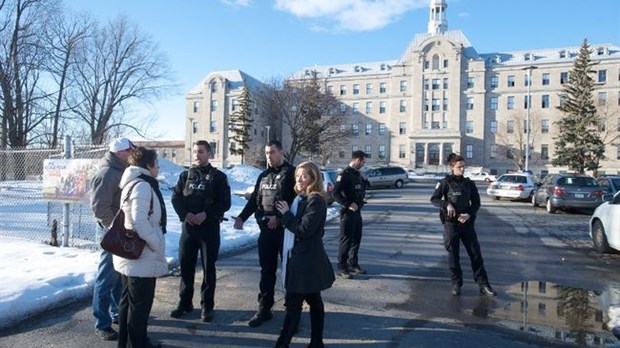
(616, 183)
(577, 181)
(333, 176)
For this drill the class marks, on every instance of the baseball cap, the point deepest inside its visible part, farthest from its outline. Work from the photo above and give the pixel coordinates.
(121, 144)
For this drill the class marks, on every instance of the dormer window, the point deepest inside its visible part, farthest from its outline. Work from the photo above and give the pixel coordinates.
(383, 67)
(332, 71)
(528, 56)
(600, 51)
(358, 68)
(307, 72)
(562, 54)
(497, 58)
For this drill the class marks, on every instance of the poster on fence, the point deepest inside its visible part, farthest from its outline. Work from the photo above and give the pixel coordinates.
(68, 179)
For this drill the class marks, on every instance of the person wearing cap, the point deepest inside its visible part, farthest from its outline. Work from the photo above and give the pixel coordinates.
(105, 202)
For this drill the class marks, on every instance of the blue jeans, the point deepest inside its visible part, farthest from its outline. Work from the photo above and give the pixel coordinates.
(107, 290)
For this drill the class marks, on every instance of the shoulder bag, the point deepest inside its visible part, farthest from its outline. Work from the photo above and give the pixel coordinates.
(121, 241)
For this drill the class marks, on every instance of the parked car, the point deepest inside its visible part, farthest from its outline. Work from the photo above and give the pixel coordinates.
(481, 176)
(386, 176)
(329, 181)
(605, 225)
(568, 191)
(610, 184)
(514, 185)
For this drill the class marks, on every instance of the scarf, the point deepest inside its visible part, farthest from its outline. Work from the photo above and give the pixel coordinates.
(155, 186)
(289, 241)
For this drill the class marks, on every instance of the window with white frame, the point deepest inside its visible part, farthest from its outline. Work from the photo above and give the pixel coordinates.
(382, 87)
(527, 80)
(469, 151)
(213, 105)
(330, 89)
(368, 107)
(196, 106)
(445, 104)
(426, 84)
(470, 82)
(563, 77)
(403, 85)
(425, 120)
(194, 127)
(426, 104)
(444, 121)
(493, 127)
(235, 104)
(602, 98)
(213, 126)
(436, 83)
(493, 103)
(381, 152)
(544, 126)
(355, 129)
(510, 126)
(402, 128)
(445, 63)
(510, 104)
(356, 108)
(403, 105)
(213, 87)
(402, 151)
(511, 81)
(369, 88)
(382, 107)
(494, 81)
(356, 89)
(602, 76)
(368, 128)
(368, 151)
(545, 101)
(382, 128)
(436, 104)
(354, 148)
(469, 126)
(618, 152)
(470, 103)
(493, 152)
(544, 151)
(343, 107)
(526, 100)
(545, 79)
(445, 83)
(435, 62)
(343, 89)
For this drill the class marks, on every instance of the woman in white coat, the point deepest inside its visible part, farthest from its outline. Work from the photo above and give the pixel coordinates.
(145, 213)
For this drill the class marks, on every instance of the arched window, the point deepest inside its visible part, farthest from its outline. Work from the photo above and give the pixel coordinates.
(436, 62)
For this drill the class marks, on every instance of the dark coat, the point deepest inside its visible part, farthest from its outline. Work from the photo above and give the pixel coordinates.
(308, 269)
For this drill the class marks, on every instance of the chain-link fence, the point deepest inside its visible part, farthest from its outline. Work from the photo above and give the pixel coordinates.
(26, 213)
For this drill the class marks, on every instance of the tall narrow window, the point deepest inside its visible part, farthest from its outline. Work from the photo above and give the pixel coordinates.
(356, 108)
(213, 105)
(436, 84)
(545, 101)
(602, 76)
(196, 106)
(564, 77)
(343, 90)
(382, 87)
(355, 129)
(470, 103)
(510, 126)
(545, 79)
(382, 128)
(368, 128)
(493, 103)
(369, 88)
(544, 151)
(382, 107)
(368, 107)
(436, 62)
(213, 127)
(510, 104)
(469, 151)
(381, 152)
(213, 87)
(445, 83)
(469, 127)
(356, 89)
(403, 85)
(511, 81)
(368, 151)
(494, 81)
(544, 126)
(403, 105)
(493, 127)
(402, 128)
(402, 153)
(470, 82)
(602, 98)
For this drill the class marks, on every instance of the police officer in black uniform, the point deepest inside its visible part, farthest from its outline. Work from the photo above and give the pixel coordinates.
(349, 191)
(459, 201)
(200, 198)
(276, 183)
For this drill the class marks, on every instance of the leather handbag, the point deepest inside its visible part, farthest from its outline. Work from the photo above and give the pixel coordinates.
(121, 241)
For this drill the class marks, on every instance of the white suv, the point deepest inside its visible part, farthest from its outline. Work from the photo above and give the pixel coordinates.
(514, 185)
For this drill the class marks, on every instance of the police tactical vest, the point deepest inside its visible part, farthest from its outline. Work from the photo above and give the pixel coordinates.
(459, 194)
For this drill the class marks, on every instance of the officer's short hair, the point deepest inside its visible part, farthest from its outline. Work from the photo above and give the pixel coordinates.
(359, 154)
(275, 143)
(453, 158)
(205, 144)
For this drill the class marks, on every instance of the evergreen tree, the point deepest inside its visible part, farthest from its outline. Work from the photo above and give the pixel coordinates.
(579, 145)
(240, 123)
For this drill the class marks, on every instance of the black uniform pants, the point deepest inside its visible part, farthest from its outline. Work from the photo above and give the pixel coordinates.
(453, 235)
(350, 239)
(205, 239)
(293, 303)
(133, 311)
(269, 247)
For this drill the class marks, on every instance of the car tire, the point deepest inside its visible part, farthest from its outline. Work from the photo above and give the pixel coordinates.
(534, 202)
(399, 184)
(599, 239)
(496, 198)
(550, 208)
(487, 180)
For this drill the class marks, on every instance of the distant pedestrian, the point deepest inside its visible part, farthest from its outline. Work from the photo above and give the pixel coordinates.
(306, 269)
(105, 203)
(349, 191)
(200, 199)
(459, 201)
(276, 183)
(145, 213)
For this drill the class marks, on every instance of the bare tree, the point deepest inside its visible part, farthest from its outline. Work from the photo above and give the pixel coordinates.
(65, 37)
(310, 116)
(22, 26)
(512, 138)
(119, 66)
(609, 127)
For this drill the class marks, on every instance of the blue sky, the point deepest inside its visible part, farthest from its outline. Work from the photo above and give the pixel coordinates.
(275, 38)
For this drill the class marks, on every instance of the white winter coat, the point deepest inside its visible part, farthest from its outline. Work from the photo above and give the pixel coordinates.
(152, 262)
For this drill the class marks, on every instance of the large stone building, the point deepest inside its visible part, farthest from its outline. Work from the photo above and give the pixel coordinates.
(443, 96)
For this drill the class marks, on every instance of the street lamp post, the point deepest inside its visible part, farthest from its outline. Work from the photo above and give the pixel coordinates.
(527, 122)
(268, 138)
(191, 131)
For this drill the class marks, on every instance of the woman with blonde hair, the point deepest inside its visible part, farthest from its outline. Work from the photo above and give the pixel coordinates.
(306, 267)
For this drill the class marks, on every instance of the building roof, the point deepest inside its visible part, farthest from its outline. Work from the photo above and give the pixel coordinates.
(235, 79)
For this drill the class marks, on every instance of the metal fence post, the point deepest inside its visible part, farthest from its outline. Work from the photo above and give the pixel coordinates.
(66, 207)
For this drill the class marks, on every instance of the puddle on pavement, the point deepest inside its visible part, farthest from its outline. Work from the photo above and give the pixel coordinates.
(556, 312)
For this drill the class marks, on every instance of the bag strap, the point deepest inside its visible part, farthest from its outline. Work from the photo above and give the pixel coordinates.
(129, 194)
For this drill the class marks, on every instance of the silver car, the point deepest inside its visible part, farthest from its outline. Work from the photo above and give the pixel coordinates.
(513, 185)
(568, 191)
(386, 176)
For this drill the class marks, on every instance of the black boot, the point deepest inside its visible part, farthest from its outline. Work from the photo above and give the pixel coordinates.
(291, 323)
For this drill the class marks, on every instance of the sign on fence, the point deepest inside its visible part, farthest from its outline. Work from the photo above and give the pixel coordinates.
(68, 179)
